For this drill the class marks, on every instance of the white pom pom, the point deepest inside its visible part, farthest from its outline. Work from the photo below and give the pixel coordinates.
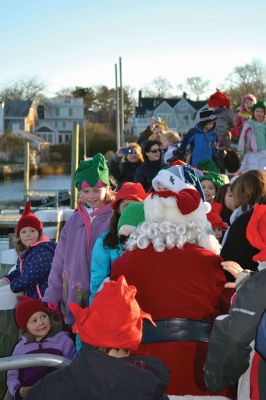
(210, 242)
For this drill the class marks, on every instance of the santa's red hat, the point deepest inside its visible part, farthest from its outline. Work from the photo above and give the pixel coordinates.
(26, 307)
(28, 219)
(187, 200)
(130, 191)
(256, 231)
(114, 318)
(219, 99)
(178, 162)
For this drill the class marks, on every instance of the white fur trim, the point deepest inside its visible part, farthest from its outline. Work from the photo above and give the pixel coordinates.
(210, 242)
(169, 181)
(207, 206)
(126, 230)
(189, 397)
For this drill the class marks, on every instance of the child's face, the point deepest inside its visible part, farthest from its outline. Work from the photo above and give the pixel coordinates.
(39, 325)
(229, 199)
(208, 126)
(248, 103)
(93, 197)
(208, 189)
(28, 236)
(259, 114)
(218, 232)
(166, 143)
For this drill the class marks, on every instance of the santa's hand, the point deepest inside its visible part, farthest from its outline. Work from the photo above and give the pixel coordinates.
(232, 267)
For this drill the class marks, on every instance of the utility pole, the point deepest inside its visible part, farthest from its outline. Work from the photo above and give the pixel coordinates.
(74, 164)
(84, 137)
(118, 137)
(26, 167)
(122, 123)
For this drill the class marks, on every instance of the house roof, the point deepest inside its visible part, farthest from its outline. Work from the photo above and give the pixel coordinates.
(151, 103)
(16, 108)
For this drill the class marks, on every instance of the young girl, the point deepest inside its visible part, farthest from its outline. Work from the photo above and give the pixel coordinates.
(244, 114)
(170, 141)
(252, 142)
(40, 335)
(210, 183)
(225, 197)
(69, 279)
(36, 254)
(107, 247)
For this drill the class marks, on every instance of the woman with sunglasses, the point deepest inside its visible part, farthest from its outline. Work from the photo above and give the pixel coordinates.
(153, 163)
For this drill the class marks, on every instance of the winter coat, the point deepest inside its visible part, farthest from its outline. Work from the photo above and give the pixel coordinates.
(224, 123)
(56, 342)
(122, 171)
(101, 263)
(202, 146)
(236, 246)
(94, 375)
(177, 283)
(69, 279)
(32, 269)
(147, 171)
(248, 141)
(229, 345)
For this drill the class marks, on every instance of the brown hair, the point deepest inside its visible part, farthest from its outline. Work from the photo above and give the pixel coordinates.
(111, 239)
(219, 198)
(249, 189)
(109, 197)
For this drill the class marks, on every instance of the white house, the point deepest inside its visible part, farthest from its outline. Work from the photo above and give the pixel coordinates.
(179, 113)
(1, 118)
(58, 118)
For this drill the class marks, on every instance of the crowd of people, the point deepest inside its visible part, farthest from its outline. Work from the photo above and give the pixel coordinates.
(155, 287)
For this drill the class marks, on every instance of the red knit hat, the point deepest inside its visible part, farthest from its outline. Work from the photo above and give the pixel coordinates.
(256, 231)
(28, 219)
(219, 99)
(178, 162)
(25, 308)
(130, 191)
(215, 220)
(114, 318)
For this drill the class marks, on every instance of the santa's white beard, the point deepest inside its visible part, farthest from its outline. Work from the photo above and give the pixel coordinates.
(167, 235)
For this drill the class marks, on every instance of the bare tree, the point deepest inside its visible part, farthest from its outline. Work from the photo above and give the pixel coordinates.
(24, 89)
(197, 86)
(159, 87)
(249, 78)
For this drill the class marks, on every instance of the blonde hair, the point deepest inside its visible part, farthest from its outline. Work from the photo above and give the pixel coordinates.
(135, 146)
(172, 136)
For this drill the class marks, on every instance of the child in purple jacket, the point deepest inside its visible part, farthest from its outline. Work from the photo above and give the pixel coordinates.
(40, 335)
(69, 279)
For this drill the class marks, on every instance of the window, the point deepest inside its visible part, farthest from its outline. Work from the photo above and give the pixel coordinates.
(186, 118)
(63, 124)
(70, 112)
(57, 112)
(56, 124)
(66, 138)
(60, 139)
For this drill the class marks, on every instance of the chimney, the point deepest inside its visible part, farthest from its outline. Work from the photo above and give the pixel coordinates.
(185, 95)
(140, 98)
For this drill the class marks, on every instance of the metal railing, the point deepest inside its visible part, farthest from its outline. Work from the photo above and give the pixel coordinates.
(33, 360)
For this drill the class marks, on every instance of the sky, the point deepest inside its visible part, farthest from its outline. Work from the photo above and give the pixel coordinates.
(69, 43)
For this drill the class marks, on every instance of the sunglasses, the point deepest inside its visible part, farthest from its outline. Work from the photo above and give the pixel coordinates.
(155, 151)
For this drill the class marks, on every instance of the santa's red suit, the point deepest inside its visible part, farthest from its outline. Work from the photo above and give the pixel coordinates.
(177, 283)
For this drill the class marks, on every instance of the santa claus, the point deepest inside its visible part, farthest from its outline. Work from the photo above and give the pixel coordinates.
(172, 260)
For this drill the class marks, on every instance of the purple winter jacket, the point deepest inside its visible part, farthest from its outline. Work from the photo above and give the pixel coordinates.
(69, 279)
(58, 344)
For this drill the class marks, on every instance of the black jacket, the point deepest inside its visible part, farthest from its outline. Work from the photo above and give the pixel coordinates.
(147, 171)
(236, 247)
(93, 375)
(122, 171)
(229, 344)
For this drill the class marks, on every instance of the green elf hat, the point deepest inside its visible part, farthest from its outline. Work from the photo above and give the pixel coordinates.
(131, 216)
(216, 179)
(259, 104)
(92, 171)
(207, 165)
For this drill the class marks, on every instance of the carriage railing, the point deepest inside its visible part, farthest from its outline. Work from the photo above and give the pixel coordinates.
(33, 360)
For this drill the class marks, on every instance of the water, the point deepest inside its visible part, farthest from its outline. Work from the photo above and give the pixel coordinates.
(13, 190)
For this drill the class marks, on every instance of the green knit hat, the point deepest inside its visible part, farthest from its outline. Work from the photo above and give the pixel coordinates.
(207, 165)
(92, 171)
(259, 104)
(216, 179)
(132, 215)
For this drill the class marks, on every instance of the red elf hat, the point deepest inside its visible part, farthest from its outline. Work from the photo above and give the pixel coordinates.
(130, 191)
(256, 231)
(28, 219)
(114, 318)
